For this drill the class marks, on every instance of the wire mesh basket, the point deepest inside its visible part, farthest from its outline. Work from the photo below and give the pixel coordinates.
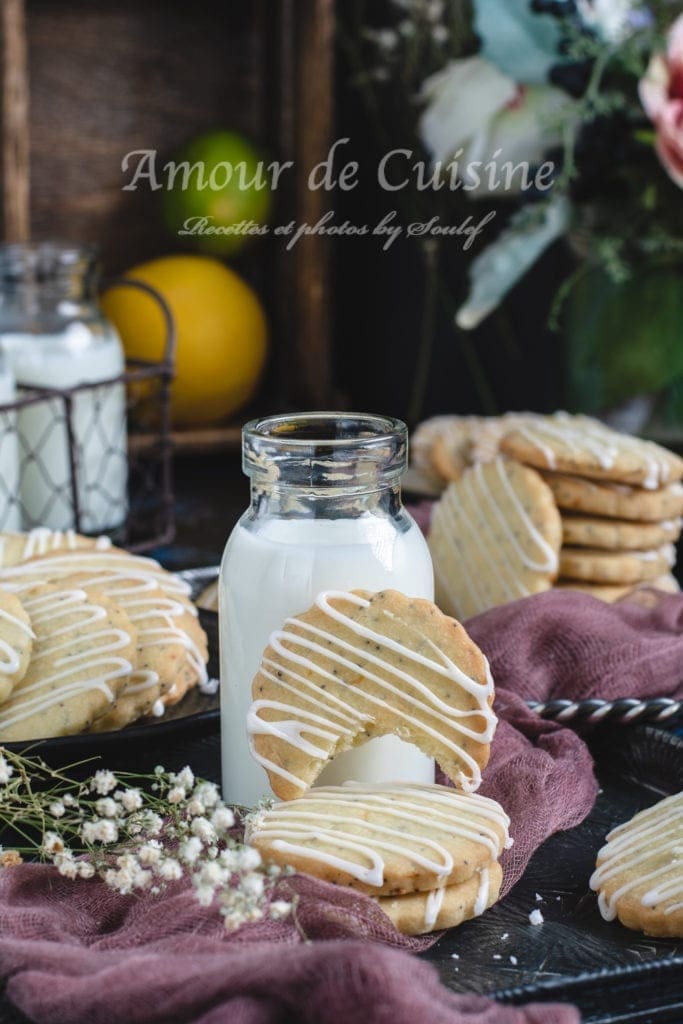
(96, 457)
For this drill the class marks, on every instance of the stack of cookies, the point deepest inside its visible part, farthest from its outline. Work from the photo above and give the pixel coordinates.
(92, 637)
(357, 666)
(595, 510)
(620, 498)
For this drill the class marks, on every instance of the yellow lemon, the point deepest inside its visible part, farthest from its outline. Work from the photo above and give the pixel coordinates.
(222, 334)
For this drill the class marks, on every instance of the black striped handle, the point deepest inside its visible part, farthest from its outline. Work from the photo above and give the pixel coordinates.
(625, 710)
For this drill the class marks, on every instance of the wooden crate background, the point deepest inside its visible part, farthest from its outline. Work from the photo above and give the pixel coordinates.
(86, 81)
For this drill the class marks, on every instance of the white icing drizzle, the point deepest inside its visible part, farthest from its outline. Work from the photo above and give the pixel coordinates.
(652, 837)
(41, 540)
(69, 563)
(581, 434)
(321, 826)
(482, 899)
(74, 670)
(334, 718)
(433, 906)
(11, 661)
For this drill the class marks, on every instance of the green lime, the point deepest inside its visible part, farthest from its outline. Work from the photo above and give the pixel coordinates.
(217, 193)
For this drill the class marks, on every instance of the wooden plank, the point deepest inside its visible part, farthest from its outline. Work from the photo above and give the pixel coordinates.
(15, 123)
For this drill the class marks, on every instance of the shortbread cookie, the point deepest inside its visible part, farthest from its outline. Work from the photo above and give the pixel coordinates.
(356, 666)
(51, 567)
(606, 592)
(639, 873)
(585, 447)
(617, 500)
(422, 912)
(16, 643)
(451, 448)
(495, 536)
(618, 534)
(20, 547)
(422, 444)
(598, 566)
(83, 653)
(171, 645)
(386, 839)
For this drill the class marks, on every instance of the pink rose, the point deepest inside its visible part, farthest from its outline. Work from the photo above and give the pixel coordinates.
(661, 93)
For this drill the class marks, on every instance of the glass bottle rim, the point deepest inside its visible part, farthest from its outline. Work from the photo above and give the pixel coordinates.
(347, 451)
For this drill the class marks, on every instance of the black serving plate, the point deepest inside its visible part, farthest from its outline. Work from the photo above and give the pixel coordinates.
(611, 973)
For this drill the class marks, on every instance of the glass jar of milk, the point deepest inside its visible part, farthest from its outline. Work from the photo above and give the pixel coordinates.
(54, 336)
(325, 514)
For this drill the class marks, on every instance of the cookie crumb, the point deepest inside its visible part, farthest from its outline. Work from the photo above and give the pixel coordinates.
(536, 917)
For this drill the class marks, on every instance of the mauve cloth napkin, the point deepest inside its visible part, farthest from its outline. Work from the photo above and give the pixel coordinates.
(73, 952)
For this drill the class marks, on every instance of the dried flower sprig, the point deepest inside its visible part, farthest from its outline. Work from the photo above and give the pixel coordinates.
(136, 833)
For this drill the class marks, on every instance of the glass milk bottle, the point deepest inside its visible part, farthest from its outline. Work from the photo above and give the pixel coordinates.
(10, 514)
(54, 336)
(325, 514)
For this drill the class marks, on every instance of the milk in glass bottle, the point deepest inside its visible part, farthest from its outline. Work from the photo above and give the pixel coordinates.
(325, 514)
(54, 336)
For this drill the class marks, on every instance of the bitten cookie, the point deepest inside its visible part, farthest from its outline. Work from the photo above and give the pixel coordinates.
(617, 500)
(618, 534)
(599, 566)
(386, 839)
(20, 547)
(16, 643)
(585, 447)
(356, 666)
(83, 652)
(422, 912)
(495, 536)
(639, 873)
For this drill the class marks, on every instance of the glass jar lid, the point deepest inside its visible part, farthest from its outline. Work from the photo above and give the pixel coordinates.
(346, 451)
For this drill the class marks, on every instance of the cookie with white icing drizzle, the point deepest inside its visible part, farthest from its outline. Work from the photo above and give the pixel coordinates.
(57, 565)
(586, 447)
(84, 650)
(618, 534)
(387, 839)
(16, 643)
(356, 666)
(20, 547)
(495, 536)
(639, 873)
(619, 501)
(599, 566)
(171, 645)
(423, 912)
(613, 592)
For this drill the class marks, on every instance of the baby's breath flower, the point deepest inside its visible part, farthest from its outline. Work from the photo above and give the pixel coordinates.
(184, 778)
(169, 870)
(205, 894)
(150, 852)
(103, 782)
(204, 829)
(252, 885)
(228, 858)
(86, 869)
(222, 819)
(106, 807)
(99, 830)
(190, 850)
(213, 874)
(52, 843)
(176, 795)
(6, 771)
(153, 823)
(69, 800)
(207, 792)
(130, 799)
(248, 859)
(280, 909)
(195, 807)
(56, 809)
